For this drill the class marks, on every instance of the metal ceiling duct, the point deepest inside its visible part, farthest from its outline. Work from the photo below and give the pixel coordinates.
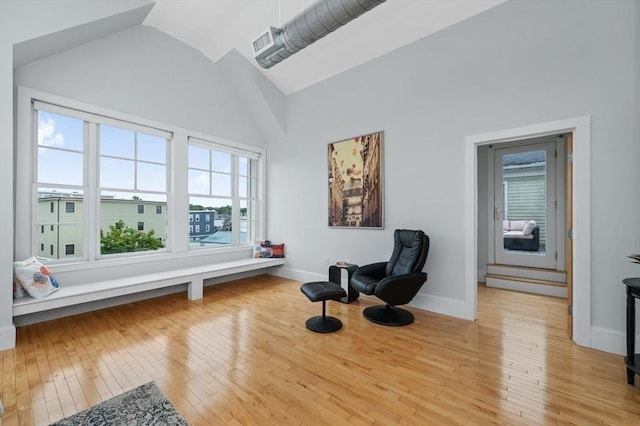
(319, 19)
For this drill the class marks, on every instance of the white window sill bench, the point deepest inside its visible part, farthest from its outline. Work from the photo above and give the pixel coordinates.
(89, 292)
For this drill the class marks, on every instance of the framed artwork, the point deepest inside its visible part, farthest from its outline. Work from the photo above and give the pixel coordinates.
(355, 182)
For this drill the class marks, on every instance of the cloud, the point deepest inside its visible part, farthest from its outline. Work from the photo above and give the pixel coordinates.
(198, 182)
(47, 133)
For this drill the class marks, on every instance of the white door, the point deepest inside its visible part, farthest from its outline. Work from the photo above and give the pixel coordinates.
(525, 205)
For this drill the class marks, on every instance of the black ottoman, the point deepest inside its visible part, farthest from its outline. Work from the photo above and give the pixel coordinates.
(323, 290)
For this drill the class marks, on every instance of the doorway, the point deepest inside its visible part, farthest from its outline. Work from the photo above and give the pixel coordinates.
(579, 128)
(526, 221)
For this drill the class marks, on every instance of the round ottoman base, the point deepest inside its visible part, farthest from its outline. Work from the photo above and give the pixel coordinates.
(322, 324)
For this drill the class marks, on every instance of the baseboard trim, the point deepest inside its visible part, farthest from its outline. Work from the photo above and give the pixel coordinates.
(299, 274)
(7, 337)
(440, 305)
(609, 340)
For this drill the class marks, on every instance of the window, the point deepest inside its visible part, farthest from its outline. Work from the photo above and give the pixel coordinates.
(224, 181)
(197, 229)
(133, 168)
(90, 175)
(112, 163)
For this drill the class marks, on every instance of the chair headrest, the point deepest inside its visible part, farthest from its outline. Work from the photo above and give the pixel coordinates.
(410, 251)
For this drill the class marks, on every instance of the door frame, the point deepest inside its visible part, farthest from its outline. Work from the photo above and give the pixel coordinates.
(580, 128)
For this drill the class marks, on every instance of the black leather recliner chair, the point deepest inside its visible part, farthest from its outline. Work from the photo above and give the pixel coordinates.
(397, 281)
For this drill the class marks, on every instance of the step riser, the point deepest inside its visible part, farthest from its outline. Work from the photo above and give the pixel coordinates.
(554, 290)
(527, 273)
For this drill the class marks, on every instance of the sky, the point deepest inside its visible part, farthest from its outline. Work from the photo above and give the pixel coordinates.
(348, 158)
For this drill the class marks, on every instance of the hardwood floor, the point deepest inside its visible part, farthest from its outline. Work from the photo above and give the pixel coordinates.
(243, 356)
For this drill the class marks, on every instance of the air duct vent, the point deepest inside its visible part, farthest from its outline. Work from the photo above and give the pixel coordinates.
(319, 19)
(264, 44)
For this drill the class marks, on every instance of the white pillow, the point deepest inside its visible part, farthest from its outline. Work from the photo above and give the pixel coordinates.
(518, 225)
(528, 228)
(505, 225)
(34, 277)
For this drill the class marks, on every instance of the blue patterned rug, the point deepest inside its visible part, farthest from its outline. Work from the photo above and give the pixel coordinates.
(144, 405)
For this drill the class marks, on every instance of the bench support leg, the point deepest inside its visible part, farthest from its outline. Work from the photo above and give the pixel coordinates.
(195, 288)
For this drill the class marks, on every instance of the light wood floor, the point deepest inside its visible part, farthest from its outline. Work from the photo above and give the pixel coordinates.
(243, 356)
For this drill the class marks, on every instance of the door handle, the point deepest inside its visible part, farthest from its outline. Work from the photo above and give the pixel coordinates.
(497, 213)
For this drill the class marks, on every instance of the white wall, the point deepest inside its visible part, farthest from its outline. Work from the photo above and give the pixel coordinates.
(518, 64)
(147, 73)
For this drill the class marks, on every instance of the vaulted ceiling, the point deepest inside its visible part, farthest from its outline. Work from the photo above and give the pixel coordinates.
(216, 26)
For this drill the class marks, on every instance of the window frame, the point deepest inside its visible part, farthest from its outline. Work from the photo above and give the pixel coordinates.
(177, 210)
(91, 186)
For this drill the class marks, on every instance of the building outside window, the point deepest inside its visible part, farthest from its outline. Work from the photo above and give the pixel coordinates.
(140, 226)
(158, 209)
(140, 209)
(69, 249)
(70, 207)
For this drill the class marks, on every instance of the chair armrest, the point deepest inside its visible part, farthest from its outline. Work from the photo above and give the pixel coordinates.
(400, 289)
(373, 270)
